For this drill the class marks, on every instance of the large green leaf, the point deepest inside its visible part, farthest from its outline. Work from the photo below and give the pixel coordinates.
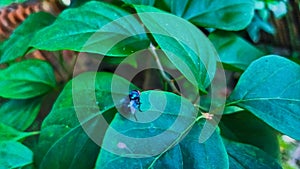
(8, 133)
(255, 132)
(165, 119)
(226, 15)
(243, 156)
(210, 154)
(19, 114)
(14, 155)
(235, 52)
(190, 51)
(269, 89)
(172, 159)
(99, 28)
(26, 79)
(75, 124)
(17, 45)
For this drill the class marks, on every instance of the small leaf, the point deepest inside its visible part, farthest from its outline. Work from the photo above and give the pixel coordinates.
(210, 154)
(191, 52)
(103, 29)
(19, 114)
(165, 119)
(8, 133)
(72, 132)
(269, 89)
(140, 2)
(18, 43)
(243, 156)
(232, 109)
(26, 79)
(235, 53)
(226, 15)
(14, 155)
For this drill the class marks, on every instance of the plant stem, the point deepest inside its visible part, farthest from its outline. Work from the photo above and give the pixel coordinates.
(201, 108)
(176, 140)
(162, 72)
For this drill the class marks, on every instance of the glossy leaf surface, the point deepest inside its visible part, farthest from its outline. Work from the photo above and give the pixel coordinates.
(72, 132)
(26, 79)
(269, 89)
(19, 114)
(235, 52)
(14, 155)
(191, 52)
(140, 143)
(103, 29)
(226, 15)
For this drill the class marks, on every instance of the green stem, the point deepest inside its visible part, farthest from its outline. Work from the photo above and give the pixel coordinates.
(201, 108)
(176, 140)
(161, 69)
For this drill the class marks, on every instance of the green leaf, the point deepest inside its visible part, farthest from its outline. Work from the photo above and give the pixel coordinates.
(103, 29)
(71, 133)
(19, 114)
(232, 109)
(235, 52)
(210, 154)
(244, 127)
(18, 43)
(172, 159)
(8, 133)
(226, 15)
(164, 120)
(4, 3)
(26, 79)
(243, 156)
(140, 2)
(191, 52)
(269, 89)
(14, 155)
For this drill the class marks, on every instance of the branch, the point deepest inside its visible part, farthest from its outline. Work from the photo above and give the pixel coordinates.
(161, 69)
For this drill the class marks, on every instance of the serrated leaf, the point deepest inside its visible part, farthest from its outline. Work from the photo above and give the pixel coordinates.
(235, 52)
(19, 114)
(71, 133)
(26, 79)
(100, 29)
(165, 119)
(226, 15)
(191, 52)
(14, 155)
(210, 154)
(269, 89)
(8, 133)
(243, 156)
(18, 43)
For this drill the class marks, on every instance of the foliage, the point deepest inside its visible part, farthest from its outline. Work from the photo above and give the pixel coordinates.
(92, 124)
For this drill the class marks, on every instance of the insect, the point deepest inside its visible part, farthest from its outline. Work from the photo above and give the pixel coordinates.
(134, 97)
(134, 102)
(130, 104)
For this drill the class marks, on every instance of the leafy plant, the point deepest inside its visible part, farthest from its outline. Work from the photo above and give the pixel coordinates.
(188, 123)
